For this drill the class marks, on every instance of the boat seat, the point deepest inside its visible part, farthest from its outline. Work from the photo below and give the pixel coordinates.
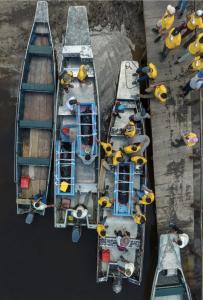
(169, 291)
(35, 161)
(35, 124)
(40, 50)
(38, 88)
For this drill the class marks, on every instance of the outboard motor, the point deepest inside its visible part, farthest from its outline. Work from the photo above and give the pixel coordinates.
(117, 284)
(76, 233)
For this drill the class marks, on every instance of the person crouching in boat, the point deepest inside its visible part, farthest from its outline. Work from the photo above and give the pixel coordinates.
(82, 73)
(117, 158)
(129, 130)
(66, 77)
(39, 202)
(138, 160)
(125, 267)
(101, 228)
(138, 217)
(80, 212)
(132, 149)
(146, 196)
(122, 239)
(105, 202)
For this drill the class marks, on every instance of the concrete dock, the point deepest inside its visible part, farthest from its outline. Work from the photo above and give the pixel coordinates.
(175, 173)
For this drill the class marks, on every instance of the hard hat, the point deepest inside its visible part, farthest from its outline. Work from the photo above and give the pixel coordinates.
(70, 73)
(199, 12)
(171, 9)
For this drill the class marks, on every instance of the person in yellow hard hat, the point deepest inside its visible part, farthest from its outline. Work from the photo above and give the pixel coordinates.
(65, 79)
(105, 201)
(194, 48)
(158, 91)
(138, 217)
(196, 64)
(150, 72)
(132, 149)
(194, 21)
(146, 196)
(139, 160)
(190, 139)
(172, 41)
(129, 130)
(82, 73)
(117, 158)
(107, 148)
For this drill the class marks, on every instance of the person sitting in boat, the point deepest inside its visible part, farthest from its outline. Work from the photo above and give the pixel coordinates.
(71, 104)
(107, 147)
(118, 108)
(66, 77)
(146, 196)
(82, 73)
(39, 202)
(80, 212)
(117, 158)
(122, 239)
(181, 239)
(138, 217)
(139, 160)
(140, 115)
(125, 267)
(129, 130)
(132, 149)
(105, 202)
(143, 140)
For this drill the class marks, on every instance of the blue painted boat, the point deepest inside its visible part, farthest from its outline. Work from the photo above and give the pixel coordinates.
(76, 161)
(34, 119)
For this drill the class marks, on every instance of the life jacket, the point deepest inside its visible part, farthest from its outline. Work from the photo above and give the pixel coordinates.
(105, 200)
(101, 228)
(197, 63)
(129, 150)
(117, 155)
(130, 130)
(172, 42)
(153, 71)
(149, 195)
(196, 46)
(194, 22)
(67, 78)
(159, 90)
(167, 21)
(105, 146)
(82, 73)
(139, 218)
(136, 158)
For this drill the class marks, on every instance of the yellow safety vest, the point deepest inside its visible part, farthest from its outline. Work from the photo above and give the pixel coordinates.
(105, 146)
(171, 41)
(149, 195)
(196, 46)
(153, 71)
(135, 159)
(106, 200)
(138, 218)
(197, 63)
(82, 73)
(117, 155)
(167, 21)
(100, 228)
(159, 90)
(67, 78)
(129, 150)
(194, 22)
(130, 130)
(190, 135)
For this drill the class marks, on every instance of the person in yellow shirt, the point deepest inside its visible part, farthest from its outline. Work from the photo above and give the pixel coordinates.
(132, 149)
(105, 202)
(66, 78)
(149, 71)
(194, 48)
(172, 41)
(146, 196)
(190, 139)
(166, 22)
(82, 73)
(107, 147)
(129, 130)
(139, 218)
(195, 65)
(194, 21)
(157, 91)
(101, 228)
(139, 160)
(117, 158)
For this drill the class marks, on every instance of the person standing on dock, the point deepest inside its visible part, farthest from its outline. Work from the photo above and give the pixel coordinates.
(138, 217)
(194, 22)
(172, 41)
(195, 83)
(149, 71)
(181, 7)
(166, 22)
(181, 238)
(157, 91)
(190, 139)
(107, 147)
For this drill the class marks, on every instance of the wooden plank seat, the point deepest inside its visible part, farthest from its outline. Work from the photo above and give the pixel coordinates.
(38, 88)
(169, 291)
(40, 50)
(35, 124)
(33, 161)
